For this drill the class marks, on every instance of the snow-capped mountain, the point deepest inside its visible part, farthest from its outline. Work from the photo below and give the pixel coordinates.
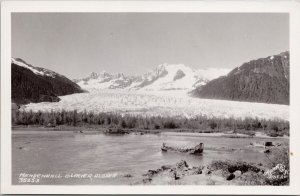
(35, 70)
(105, 80)
(30, 84)
(163, 77)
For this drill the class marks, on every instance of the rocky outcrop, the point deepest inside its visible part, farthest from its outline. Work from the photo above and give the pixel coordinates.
(179, 74)
(218, 172)
(263, 80)
(173, 172)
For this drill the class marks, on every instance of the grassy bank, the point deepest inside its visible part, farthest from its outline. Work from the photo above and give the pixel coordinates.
(112, 120)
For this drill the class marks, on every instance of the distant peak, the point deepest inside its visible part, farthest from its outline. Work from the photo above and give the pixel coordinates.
(120, 75)
(94, 75)
(103, 72)
(161, 66)
(171, 65)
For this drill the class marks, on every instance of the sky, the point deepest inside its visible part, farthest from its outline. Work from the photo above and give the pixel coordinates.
(76, 44)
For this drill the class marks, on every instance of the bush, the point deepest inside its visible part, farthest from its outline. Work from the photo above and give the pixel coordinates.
(170, 125)
(232, 166)
(275, 127)
(213, 125)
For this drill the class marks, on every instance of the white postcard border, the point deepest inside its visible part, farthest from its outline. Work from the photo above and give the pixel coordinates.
(7, 7)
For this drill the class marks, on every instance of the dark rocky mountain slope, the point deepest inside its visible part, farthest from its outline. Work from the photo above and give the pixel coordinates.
(34, 84)
(263, 80)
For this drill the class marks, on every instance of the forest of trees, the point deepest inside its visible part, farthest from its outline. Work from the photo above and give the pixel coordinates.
(113, 120)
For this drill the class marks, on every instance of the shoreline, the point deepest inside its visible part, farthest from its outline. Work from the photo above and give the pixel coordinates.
(173, 132)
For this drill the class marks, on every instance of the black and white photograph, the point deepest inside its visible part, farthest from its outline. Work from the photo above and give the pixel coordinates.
(150, 98)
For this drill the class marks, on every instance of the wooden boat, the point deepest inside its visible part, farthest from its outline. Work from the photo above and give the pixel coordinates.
(198, 149)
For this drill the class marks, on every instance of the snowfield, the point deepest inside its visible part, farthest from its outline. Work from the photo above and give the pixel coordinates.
(163, 103)
(163, 77)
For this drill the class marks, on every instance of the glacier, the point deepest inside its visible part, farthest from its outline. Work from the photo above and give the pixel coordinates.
(160, 103)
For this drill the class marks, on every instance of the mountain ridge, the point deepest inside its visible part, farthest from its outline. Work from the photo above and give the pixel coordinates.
(35, 84)
(262, 80)
(163, 77)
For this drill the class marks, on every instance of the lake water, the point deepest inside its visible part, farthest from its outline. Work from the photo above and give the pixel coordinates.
(109, 158)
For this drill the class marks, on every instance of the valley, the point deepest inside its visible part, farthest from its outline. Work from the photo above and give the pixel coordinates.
(115, 125)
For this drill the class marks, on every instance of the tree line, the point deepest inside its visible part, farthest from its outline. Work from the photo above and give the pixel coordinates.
(115, 120)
